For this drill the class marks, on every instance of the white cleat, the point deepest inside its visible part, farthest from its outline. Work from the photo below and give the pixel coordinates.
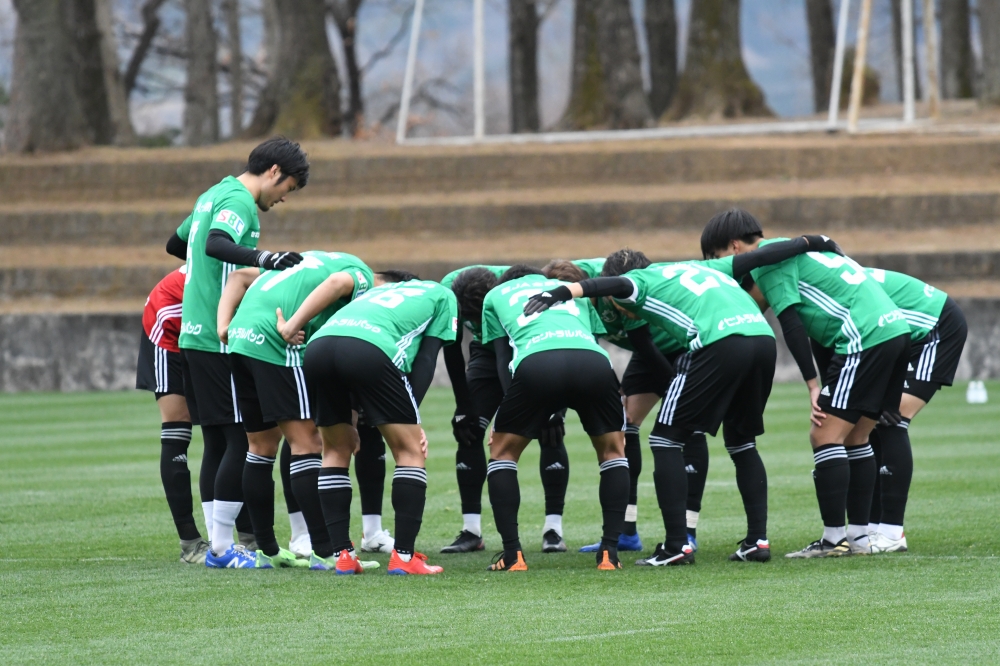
(380, 542)
(860, 546)
(883, 544)
(301, 546)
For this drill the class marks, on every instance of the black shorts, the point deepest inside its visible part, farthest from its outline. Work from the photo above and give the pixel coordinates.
(726, 383)
(934, 358)
(485, 389)
(337, 367)
(269, 393)
(158, 370)
(550, 381)
(866, 383)
(211, 394)
(640, 377)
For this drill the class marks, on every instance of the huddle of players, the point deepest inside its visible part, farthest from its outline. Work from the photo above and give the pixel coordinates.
(699, 342)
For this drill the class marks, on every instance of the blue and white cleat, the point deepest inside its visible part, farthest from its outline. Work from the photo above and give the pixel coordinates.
(237, 557)
(693, 543)
(625, 542)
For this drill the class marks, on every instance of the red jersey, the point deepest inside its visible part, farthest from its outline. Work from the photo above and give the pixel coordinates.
(161, 318)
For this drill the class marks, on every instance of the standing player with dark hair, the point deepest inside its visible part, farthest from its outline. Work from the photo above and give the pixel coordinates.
(220, 235)
(159, 371)
(382, 348)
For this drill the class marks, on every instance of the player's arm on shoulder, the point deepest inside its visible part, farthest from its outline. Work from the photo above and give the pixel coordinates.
(236, 288)
(779, 251)
(332, 289)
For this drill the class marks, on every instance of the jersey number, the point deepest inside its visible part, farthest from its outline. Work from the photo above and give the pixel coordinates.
(854, 274)
(569, 306)
(689, 273)
(391, 299)
(308, 261)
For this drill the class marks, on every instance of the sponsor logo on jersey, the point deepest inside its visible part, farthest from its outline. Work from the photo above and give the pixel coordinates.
(740, 320)
(353, 323)
(247, 334)
(204, 207)
(254, 234)
(609, 316)
(231, 220)
(889, 318)
(563, 335)
(825, 391)
(187, 328)
(454, 324)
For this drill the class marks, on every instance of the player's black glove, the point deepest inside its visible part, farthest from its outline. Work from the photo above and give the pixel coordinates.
(890, 418)
(546, 299)
(467, 430)
(277, 261)
(819, 243)
(552, 435)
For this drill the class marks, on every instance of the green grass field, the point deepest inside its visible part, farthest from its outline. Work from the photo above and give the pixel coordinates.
(90, 571)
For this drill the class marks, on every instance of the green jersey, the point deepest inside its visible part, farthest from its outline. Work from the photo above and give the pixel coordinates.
(592, 267)
(920, 303)
(695, 303)
(475, 327)
(228, 206)
(841, 308)
(396, 317)
(569, 325)
(254, 330)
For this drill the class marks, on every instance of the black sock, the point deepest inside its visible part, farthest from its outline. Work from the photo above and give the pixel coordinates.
(215, 447)
(613, 493)
(751, 479)
(832, 477)
(553, 466)
(229, 480)
(284, 466)
(633, 453)
(369, 467)
(863, 473)
(258, 498)
(875, 441)
(505, 498)
(696, 467)
(175, 437)
(243, 523)
(304, 480)
(896, 471)
(671, 481)
(334, 489)
(409, 492)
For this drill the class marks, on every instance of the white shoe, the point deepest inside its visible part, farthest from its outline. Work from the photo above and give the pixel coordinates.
(860, 546)
(301, 546)
(380, 542)
(883, 544)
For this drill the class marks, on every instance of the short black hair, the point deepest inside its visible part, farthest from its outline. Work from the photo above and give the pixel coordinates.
(396, 275)
(518, 271)
(727, 226)
(623, 261)
(470, 287)
(287, 154)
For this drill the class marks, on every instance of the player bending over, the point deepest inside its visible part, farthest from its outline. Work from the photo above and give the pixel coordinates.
(830, 299)
(382, 348)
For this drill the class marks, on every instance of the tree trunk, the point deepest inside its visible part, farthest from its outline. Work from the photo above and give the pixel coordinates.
(588, 102)
(89, 79)
(302, 95)
(231, 11)
(523, 66)
(989, 35)
(151, 23)
(345, 16)
(956, 50)
(122, 132)
(822, 44)
(897, 45)
(45, 109)
(661, 40)
(715, 83)
(201, 94)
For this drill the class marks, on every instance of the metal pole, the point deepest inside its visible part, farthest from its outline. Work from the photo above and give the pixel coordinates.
(860, 54)
(411, 65)
(479, 65)
(909, 111)
(930, 38)
(838, 63)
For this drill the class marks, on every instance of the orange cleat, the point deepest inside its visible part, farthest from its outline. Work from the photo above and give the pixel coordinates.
(348, 564)
(417, 565)
(499, 563)
(608, 563)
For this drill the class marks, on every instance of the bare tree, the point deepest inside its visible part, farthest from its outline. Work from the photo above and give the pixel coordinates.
(661, 41)
(956, 50)
(231, 12)
(345, 17)
(819, 16)
(151, 23)
(897, 45)
(201, 94)
(302, 95)
(123, 133)
(523, 65)
(989, 35)
(715, 82)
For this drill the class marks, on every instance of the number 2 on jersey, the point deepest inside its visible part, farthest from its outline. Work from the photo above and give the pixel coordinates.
(855, 275)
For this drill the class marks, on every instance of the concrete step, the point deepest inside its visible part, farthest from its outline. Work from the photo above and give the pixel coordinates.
(886, 202)
(356, 169)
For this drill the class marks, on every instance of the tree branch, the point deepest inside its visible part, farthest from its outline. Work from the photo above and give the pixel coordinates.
(151, 24)
(386, 51)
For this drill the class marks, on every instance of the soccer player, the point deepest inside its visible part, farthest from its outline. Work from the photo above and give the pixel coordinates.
(271, 389)
(220, 235)
(478, 393)
(159, 371)
(725, 378)
(549, 362)
(382, 348)
(830, 299)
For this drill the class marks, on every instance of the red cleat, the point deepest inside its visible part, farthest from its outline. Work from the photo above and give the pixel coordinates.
(347, 564)
(417, 565)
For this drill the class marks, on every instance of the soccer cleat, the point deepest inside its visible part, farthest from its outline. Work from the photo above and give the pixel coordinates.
(630, 542)
(317, 563)
(880, 543)
(693, 543)
(663, 558)
(755, 552)
(237, 557)
(284, 559)
(860, 546)
(417, 565)
(465, 542)
(301, 547)
(380, 542)
(194, 551)
(348, 564)
(500, 563)
(552, 542)
(822, 548)
(247, 540)
(608, 560)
